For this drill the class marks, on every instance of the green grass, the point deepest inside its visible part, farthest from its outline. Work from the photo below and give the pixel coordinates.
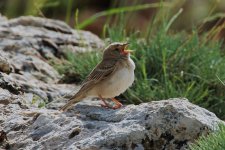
(214, 141)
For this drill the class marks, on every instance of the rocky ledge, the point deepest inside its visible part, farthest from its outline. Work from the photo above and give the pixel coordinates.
(167, 124)
(30, 95)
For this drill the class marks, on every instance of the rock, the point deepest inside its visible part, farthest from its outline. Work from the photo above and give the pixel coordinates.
(48, 37)
(2, 19)
(10, 84)
(4, 63)
(5, 97)
(28, 85)
(166, 124)
(33, 67)
(27, 44)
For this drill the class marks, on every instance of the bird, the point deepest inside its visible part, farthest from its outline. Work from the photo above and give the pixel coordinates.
(111, 77)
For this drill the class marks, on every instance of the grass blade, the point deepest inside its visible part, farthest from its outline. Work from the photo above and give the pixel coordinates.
(173, 19)
(120, 10)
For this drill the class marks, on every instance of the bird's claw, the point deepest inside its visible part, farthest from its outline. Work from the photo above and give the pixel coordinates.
(105, 106)
(117, 106)
(112, 107)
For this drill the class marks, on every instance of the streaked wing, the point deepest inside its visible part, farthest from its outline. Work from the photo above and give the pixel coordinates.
(103, 70)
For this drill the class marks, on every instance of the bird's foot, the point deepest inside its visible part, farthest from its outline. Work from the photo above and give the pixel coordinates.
(112, 107)
(105, 106)
(118, 105)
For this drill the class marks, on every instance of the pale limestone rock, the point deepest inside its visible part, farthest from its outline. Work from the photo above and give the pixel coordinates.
(166, 124)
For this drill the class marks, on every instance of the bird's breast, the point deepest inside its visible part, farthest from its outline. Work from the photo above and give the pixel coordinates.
(119, 81)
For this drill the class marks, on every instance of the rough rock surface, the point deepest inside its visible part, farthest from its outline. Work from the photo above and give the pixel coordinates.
(28, 83)
(27, 44)
(4, 63)
(167, 124)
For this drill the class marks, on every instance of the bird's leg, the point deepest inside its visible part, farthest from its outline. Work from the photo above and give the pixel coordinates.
(106, 105)
(118, 104)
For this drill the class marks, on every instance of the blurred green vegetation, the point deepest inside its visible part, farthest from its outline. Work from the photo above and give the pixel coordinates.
(93, 14)
(15, 8)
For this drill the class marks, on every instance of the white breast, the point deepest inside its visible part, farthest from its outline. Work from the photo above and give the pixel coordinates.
(119, 81)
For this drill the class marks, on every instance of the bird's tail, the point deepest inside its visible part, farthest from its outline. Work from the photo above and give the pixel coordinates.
(76, 98)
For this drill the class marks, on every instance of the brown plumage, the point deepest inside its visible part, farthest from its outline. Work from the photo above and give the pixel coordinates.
(111, 77)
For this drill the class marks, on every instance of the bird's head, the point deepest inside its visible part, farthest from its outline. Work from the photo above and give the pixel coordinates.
(116, 51)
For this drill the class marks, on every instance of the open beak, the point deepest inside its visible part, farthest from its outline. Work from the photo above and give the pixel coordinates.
(125, 50)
